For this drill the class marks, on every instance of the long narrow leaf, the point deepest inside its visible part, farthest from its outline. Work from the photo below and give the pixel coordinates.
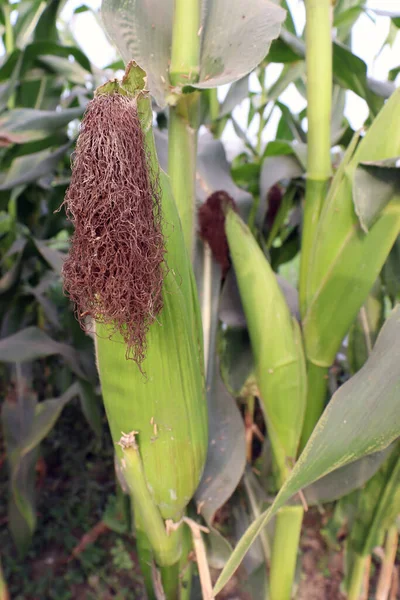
(362, 417)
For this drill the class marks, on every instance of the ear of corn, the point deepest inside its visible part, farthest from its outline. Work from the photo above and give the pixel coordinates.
(275, 340)
(166, 407)
(346, 260)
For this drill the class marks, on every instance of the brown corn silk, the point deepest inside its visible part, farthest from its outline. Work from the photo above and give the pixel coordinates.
(114, 272)
(212, 226)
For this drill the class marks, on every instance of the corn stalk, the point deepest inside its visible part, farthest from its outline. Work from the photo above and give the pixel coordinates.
(319, 104)
(184, 113)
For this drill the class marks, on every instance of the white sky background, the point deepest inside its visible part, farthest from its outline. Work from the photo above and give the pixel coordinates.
(368, 38)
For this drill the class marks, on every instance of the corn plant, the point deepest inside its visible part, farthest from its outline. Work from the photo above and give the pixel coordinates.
(175, 269)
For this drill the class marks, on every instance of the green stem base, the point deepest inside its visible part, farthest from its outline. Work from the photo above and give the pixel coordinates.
(357, 577)
(284, 552)
(170, 582)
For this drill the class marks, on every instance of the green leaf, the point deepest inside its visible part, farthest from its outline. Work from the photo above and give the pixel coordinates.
(393, 73)
(365, 329)
(27, 124)
(30, 168)
(279, 360)
(237, 361)
(289, 22)
(47, 48)
(81, 9)
(91, 406)
(377, 506)
(362, 417)
(53, 257)
(350, 72)
(226, 457)
(375, 183)
(345, 480)
(282, 147)
(278, 168)
(346, 19)
(46, 29)
(345, 261)
(226, 439)
(290, 74)
(391, 273)
(214, 173)
(280, 52)
(292, 122)
(238, 91)
(71, 70)
(33, 343)
(27, 18)
(46, 414)
(7, 89)
(25, 424)
(252, 24)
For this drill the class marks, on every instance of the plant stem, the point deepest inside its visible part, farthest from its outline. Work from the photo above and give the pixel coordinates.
(145, 554)
(263, 100)
(217, 125)
(185, 54)
(170, 581)
(357, 577)
(385, 577)
(182, 151)
(184, 116)
(317, 379)
(319, 102)
(186, 565)
(9, 35)
(284, 552)
(166, 546)
(213, 103)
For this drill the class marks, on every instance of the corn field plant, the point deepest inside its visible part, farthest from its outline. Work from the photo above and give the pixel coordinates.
(244, 317)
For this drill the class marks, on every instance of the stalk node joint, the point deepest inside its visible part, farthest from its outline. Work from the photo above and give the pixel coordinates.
(128, 440)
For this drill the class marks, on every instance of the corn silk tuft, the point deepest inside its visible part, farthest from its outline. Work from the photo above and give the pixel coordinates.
(211, 217)
(115, 269)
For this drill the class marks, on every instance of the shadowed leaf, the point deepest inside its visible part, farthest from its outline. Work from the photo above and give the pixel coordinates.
(33, 343)
(375, 184)
(27, 124)
(25, 424)
(30, 168)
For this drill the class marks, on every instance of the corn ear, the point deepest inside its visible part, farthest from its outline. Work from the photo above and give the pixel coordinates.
(346, 261)
(276, 343)
(167, 406)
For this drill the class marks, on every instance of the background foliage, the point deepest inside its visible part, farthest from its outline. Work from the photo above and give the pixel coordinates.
(55, 440)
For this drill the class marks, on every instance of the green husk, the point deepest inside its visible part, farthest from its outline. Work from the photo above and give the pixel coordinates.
(276, 343)
(165, 406)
